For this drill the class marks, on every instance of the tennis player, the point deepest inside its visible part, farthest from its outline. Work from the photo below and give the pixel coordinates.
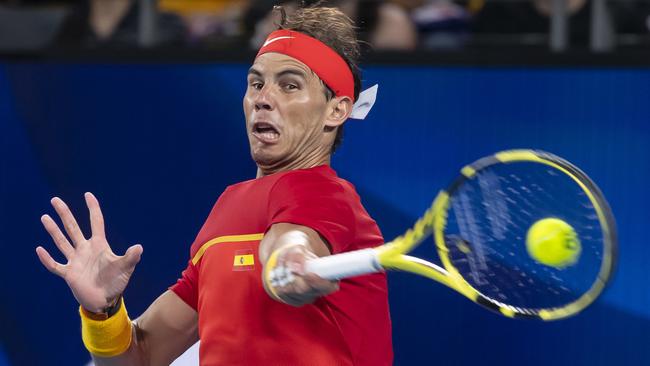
(301, 89)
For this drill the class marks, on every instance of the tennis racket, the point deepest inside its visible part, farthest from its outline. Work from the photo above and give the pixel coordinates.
(479, 224)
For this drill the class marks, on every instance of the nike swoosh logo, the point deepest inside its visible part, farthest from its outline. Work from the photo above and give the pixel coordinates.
(268, 42)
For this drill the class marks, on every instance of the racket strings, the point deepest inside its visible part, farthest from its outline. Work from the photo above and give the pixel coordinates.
(487, 224)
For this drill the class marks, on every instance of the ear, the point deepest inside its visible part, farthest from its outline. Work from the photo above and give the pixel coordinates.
(338, 111)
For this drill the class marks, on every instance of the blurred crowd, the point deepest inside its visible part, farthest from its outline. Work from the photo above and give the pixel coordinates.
(383, 25)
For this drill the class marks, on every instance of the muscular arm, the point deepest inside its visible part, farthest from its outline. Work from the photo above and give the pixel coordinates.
(162, 333)
(295, 244)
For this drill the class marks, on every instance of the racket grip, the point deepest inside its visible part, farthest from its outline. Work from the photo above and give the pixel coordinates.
(350, 264)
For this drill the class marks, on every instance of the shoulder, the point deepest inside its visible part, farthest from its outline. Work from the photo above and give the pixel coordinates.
(320, 180)
(317, 198)
(316, 191)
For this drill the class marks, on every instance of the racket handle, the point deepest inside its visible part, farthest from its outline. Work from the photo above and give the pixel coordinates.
(350, 264)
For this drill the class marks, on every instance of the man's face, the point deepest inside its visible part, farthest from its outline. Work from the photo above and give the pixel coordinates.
(285, 107)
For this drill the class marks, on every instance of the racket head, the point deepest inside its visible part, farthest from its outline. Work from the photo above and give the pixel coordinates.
(487, 260)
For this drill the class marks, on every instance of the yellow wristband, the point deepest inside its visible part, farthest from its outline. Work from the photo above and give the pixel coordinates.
(268, 267)
(106, 338)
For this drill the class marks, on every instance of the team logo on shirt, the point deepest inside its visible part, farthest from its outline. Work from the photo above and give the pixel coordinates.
(244, 260)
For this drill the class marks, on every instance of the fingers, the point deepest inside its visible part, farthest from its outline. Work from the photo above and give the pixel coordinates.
(301, 290)
(69, 222)
(132, 256)
(49, 263)
(320, 285)
(309, 284)
(96, 216)
(291, 284)
(59, 239)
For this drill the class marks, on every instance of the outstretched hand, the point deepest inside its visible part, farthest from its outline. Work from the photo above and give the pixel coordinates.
(96, 275)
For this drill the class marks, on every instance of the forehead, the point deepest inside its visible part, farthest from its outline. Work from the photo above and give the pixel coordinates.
(273, 62)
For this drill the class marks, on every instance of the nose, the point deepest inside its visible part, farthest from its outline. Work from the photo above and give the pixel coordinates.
(264, 99)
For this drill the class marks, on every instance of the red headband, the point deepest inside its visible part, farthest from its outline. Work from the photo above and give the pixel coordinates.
(322, 60)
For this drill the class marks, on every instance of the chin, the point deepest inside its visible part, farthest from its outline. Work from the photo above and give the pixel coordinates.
(264, 157)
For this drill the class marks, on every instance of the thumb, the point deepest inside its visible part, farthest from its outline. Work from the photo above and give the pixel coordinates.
(132, 256)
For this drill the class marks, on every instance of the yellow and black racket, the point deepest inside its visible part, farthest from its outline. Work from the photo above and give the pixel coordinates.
(522, 232)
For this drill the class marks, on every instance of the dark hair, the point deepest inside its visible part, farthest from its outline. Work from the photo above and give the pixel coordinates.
(334, 29)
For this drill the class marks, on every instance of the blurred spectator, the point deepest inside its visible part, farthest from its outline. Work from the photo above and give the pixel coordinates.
(28, 28)
(442, 24)
(632, 18)
(522, 19)
(385, 25)
(115, 23)
(208, 20)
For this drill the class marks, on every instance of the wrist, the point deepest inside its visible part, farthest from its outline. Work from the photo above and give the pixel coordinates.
(106, 337)
(267, 275)
(111, 309)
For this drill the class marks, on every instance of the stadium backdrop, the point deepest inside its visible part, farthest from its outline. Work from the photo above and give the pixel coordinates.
(158, 143)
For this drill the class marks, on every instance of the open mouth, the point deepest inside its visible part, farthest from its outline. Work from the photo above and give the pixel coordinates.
(265, 132)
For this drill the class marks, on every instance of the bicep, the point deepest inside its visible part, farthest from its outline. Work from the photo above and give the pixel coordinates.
(166, 329)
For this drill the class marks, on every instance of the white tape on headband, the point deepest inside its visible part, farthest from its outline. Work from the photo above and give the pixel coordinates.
(365, 102)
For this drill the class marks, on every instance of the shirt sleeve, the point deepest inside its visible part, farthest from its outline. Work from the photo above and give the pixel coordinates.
(187, 286)
(315, 201)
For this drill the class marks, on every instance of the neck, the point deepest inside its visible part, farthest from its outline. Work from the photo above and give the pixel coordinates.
(308, 161)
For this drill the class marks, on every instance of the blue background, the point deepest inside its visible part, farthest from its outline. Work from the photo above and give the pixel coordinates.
(158, 143)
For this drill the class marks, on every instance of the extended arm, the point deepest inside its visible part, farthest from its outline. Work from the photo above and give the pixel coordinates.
(286, 247)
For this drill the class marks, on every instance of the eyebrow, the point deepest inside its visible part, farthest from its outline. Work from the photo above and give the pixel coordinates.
(299, 73)
(295, 72)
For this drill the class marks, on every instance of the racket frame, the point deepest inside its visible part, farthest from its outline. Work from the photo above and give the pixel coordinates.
(392, 255)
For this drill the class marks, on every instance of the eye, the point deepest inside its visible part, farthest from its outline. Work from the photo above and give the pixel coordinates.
(290, 87)
(257, 85)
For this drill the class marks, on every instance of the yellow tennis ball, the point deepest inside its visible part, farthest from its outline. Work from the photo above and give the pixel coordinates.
(553, 242)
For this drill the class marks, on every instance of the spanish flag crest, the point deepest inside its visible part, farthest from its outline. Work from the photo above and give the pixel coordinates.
(244, 260)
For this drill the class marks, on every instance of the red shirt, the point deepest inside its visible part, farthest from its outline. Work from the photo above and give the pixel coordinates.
(239, 324)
